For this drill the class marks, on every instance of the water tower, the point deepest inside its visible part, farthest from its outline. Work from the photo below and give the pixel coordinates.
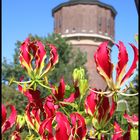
(85, 24)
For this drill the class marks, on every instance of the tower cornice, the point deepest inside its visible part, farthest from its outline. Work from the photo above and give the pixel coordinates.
(89, 2)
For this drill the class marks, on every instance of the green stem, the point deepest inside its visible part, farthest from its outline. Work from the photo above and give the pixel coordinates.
(25, 82)
(99, 136)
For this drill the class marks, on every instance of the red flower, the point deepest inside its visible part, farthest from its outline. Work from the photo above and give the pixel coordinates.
(8, 123)
(15, 136)
(100, 107)
(60, 131)
(33, 116)
(78, 130)
(60, 92)
(133, 120)
(105, 67)
(118, 132)
(33, 55)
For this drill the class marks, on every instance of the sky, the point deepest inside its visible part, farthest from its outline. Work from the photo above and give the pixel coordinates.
(22, 17)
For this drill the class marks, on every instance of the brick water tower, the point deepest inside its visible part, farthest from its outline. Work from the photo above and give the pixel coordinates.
(85, 24)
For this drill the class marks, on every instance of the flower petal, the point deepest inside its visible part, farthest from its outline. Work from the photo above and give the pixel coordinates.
(54, 54)
(49, 107)
(133, 66)
(61, 90)
(122, 62)
(4, 113)
(63, 127)
(25, 57)
(118, 132)
(78, 126)
(46, 125)
(33, 116)
(11, 120)
(103, 63)
(15, 136)
(40, 55)
(34, 97)
(131, 119)
(91, 103)
(53, 59)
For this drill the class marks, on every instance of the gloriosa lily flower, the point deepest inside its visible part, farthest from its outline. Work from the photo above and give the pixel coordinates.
(33, 58)
(119, 133)
(133, 120)
(59, 92)
(105, 67)
(78, 130)
(8, 123)
(101, 108)
(15, 136)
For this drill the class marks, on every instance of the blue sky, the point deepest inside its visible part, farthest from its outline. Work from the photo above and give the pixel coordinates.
(22, 17)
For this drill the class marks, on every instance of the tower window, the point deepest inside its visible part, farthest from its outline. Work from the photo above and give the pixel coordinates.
(107, 25)
(60, 20)
(99, 23)
(73, 30)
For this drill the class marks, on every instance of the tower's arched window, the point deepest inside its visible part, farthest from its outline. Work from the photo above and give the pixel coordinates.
(99, 23)
(108, 25)
(60, 22)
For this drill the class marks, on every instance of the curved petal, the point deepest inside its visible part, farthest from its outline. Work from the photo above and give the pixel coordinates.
(63, 127)
(103, 63)
(53, 59)
(133, 66)
(4, 113)
(61, 90)
(54, 54)
(40, 55)
(71, 98)
(122, 62)
(131, 119)
(78, 126)
(34, 97)
(118, 132)
(25, 57)
(49, 107)
(33, 116)
(112, 108)
(46, 125)
(11, 120)
(15, 136)
(103, 109)
(91, 103)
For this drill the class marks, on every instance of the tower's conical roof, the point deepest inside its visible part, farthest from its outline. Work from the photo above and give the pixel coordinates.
(93, 2)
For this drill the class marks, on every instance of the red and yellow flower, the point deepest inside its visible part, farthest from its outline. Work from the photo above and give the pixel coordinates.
(9, 122)
(105, 67)
(101, 108)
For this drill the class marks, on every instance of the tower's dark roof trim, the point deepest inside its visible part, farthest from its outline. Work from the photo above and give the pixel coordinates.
(74, 2)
